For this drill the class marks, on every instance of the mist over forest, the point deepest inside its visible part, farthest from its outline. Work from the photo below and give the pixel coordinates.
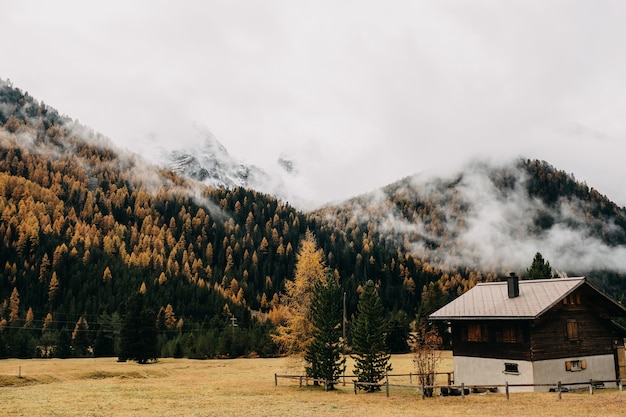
(85, 224)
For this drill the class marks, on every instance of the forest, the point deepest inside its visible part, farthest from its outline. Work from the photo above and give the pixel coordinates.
(85, 225)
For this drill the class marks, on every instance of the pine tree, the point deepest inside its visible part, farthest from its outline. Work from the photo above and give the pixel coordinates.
(80, 337)
(323, 355)
(295, 335)
(539, 268)
(139, 332)
(369, 349)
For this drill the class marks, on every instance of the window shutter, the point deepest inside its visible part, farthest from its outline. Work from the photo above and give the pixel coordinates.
(583, 364)
(568, 365)
(572, 329)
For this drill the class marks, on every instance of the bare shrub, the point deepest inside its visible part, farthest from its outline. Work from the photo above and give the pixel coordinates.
(426, 346)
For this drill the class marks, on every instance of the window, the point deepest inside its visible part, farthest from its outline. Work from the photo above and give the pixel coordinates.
(572, 330)
(577, 365)
(572, 299)
(473, 332)
(477, 332)
(511, 368)
(509, 335)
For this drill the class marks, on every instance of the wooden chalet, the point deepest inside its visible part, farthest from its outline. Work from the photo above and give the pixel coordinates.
(535, 332)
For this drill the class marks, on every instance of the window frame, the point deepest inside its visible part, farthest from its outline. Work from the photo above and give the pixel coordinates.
(511, 368)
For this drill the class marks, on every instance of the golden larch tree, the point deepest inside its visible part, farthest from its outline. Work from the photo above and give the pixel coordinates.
(53, 287)
(170, 317)
(30, 317)
(294, 335)
(14, 306)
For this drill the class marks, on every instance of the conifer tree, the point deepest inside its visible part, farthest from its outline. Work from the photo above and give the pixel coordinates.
(14, 306)
(539, 268)
(323, 355)
(80, 337)
(295, 335)
(369, 349)
(139, 333)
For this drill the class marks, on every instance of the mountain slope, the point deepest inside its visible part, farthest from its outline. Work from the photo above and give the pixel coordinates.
(84, 225)
(494, 218)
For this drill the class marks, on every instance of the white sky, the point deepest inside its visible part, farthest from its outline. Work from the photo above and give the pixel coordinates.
(361, 93)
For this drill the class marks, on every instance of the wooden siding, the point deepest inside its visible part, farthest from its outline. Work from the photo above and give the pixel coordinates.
(496, 339)
(577, 326)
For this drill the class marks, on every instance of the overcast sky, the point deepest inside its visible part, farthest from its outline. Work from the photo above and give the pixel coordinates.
(360, 93)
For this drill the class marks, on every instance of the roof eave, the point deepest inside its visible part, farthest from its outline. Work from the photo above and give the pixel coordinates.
(470, 318)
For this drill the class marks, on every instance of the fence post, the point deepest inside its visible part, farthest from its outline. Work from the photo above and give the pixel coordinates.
(410, 378)
(506, 389)
(423, 391)
(463, 390)
(620, 385)
(449, 379)
(19, 372)
(558, 390)
(387, 382)
(591, 386)
(354, 387)
(275, 380)
(325, 385)
(300, 377)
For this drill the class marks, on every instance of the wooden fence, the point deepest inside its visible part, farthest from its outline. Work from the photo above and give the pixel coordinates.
(342, 379)
(462, 389)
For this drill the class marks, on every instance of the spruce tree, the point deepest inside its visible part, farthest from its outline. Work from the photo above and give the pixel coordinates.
(139, 331)
(323, 354)
(369, 348)
(539, 268)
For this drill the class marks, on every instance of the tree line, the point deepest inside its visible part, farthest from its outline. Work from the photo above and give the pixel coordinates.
(82, 227)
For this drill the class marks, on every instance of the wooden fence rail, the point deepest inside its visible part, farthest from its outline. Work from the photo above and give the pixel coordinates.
(306, 379)
(410, 375)
(558, 387)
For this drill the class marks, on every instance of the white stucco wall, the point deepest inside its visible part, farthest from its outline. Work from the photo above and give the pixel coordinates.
(488, 371)
(599, 367)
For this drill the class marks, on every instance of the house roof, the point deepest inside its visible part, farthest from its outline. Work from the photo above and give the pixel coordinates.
(490, 300)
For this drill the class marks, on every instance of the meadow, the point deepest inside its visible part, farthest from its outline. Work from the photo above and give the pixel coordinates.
(245, 387)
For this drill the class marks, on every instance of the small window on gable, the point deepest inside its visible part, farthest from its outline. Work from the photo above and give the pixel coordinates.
(572, 330)
(573, 299)
(511, 368)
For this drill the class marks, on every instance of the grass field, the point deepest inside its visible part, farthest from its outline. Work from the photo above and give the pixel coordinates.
(245, 387)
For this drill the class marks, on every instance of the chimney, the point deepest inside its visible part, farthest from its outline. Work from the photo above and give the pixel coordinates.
(512, 283)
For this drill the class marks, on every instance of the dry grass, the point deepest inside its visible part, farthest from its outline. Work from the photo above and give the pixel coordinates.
(245, 387)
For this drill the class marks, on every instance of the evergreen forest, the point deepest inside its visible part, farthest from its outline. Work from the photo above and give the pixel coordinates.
(87, 230)
(84, 226)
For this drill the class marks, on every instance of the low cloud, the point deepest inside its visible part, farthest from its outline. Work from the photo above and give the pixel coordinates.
(476, 224)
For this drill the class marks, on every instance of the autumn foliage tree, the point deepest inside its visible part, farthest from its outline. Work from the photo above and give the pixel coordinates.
(295, 335)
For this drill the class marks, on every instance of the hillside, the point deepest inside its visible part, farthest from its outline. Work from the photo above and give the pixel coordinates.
(489, 219)
(84, 225)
